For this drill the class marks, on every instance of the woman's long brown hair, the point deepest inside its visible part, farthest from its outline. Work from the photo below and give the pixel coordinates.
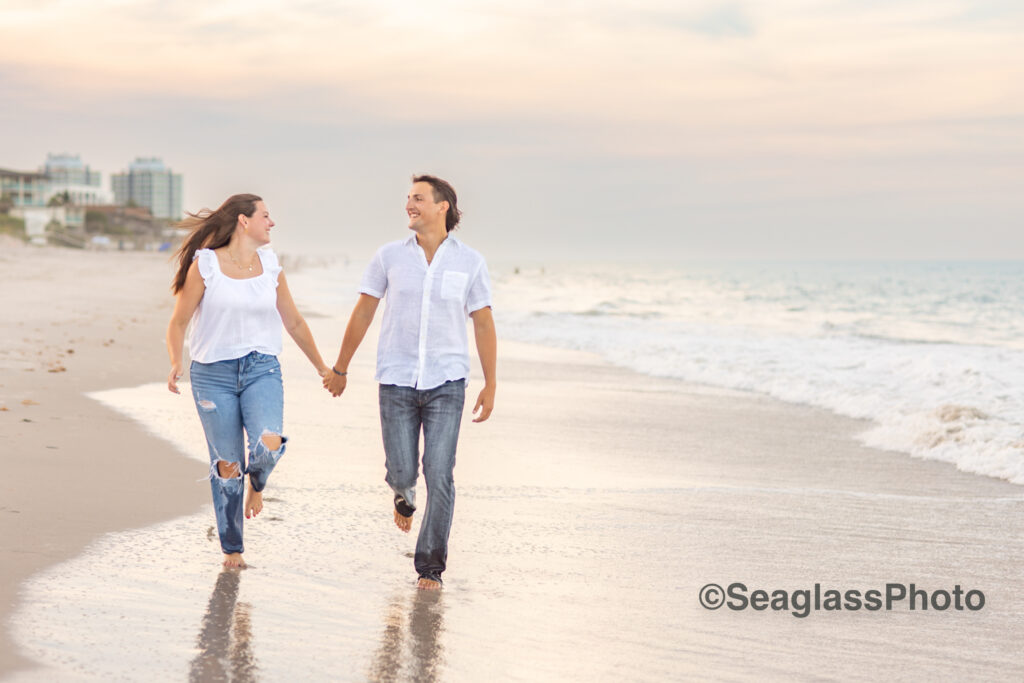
(210, 230)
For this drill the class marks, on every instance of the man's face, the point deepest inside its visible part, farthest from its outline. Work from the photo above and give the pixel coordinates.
(423, 211)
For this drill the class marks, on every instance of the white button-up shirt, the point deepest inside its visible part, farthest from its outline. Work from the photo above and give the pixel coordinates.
(423, 341)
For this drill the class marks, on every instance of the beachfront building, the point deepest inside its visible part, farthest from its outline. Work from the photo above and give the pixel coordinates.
(64, 176)
(27, 195)
(23, 188)
(61, 224)
(74, 181)
(149, 183)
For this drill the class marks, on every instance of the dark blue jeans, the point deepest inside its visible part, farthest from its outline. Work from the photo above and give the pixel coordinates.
(438, 411)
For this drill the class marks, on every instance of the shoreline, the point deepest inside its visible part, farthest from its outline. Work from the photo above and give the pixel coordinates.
(87, 460)
(736, 467)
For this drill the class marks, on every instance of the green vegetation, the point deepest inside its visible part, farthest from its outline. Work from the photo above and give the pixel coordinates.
(9, 225)
(96, 222)
(60, 199)
(117, 230)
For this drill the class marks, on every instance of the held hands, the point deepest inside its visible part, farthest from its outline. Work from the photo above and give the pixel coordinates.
(334, 383)
(484, 403)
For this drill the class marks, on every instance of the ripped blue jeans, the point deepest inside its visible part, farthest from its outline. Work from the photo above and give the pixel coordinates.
(231, 396)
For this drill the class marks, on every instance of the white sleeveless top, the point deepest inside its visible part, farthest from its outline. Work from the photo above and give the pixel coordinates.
(235, 317)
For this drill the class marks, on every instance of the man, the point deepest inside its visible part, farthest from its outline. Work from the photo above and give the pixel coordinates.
(432, 282)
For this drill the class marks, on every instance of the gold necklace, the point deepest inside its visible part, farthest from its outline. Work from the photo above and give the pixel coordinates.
(240, 266)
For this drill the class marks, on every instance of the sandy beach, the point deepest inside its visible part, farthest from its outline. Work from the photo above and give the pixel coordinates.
(593, 509)
(77, 322)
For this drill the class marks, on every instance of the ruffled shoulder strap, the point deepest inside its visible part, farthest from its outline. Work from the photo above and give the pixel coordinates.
(271, 266)
(207, 264)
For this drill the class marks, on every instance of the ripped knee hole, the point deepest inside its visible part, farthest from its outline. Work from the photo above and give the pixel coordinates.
(271, 441)
(228, 470)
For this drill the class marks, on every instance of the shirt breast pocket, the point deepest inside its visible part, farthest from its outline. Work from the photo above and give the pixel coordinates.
(453, 285)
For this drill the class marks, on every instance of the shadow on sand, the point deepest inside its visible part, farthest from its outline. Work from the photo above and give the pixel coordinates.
(411, 646)
(225, 638)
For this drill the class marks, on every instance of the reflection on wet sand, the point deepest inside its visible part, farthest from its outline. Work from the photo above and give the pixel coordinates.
(414, 650)
(225, 639)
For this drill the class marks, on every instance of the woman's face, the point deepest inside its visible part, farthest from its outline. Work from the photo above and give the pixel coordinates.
(258, 226)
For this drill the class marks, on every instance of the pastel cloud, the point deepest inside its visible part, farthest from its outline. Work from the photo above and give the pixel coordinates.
(738, 103)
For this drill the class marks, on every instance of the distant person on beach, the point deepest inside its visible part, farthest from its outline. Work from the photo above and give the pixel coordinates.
(236, 297)
(433, 282)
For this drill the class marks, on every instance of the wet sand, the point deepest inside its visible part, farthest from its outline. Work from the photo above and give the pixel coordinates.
(592, 509)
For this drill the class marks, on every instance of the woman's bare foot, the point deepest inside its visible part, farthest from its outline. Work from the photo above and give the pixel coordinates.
(253, 502)
(429, 585)
(234, 561)
(402, 522)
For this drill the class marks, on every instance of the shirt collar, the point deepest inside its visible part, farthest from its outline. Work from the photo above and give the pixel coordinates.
(411, 240)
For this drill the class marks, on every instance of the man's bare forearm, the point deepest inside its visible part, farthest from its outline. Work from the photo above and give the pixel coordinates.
(487, 347)
(358, 323)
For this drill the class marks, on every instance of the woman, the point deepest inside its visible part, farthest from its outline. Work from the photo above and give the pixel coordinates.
(236, 297)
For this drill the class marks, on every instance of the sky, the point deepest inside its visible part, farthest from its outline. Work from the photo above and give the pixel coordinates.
(640, 130)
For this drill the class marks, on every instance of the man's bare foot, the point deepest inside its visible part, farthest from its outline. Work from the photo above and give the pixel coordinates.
(402, 522)
(429, 585)
(253, 502)
(234, 561)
